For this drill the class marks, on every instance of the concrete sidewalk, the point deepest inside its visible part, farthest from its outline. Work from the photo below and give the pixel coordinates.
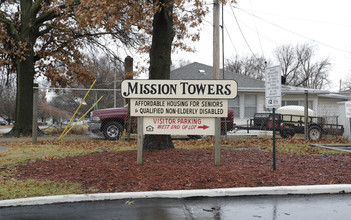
(244, 191)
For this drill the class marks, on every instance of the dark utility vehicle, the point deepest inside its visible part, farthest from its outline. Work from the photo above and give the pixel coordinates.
(290, 124)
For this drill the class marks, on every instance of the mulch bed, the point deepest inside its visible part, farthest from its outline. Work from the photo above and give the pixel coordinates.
(190, 169)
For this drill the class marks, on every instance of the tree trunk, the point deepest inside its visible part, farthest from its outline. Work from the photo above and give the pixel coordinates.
(25, 73)
(157, 142)
(160, 62)
(162, 37)
(24, 100)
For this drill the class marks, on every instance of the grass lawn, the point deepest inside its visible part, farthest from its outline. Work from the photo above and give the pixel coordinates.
(25, 153)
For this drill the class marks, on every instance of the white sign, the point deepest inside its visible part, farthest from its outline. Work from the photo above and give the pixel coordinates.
(179, 108)
(273, 87)
(348, 109)
(179, 89)
(179, 126)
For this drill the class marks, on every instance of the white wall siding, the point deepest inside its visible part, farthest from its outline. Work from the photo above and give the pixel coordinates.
(260, 102)
(327, 107)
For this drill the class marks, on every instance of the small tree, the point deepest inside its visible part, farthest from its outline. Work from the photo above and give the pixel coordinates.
(7, 95)
(8, 103)
(301, 68)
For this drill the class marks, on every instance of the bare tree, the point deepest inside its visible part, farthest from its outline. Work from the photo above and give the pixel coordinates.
(104, 71)
(289, 64)
(180, 63)
(346, 83)
(251, 66)
(301, 68)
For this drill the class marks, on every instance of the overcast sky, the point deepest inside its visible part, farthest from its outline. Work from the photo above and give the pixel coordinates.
(266, 24)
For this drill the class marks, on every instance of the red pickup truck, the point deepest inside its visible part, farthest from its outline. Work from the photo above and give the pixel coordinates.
(112, 122)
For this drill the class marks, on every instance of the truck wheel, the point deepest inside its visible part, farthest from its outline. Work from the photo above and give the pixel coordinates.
(315, 133)
(194, 137)
(113, 130)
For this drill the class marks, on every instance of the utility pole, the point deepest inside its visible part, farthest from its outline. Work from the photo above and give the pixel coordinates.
(216, 63)
(216, 49)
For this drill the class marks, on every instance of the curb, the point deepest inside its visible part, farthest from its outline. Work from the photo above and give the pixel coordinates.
(178, 194)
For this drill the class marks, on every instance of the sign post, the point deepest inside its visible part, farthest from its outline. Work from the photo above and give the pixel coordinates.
(348, 112)
(140, 141)
(273, 98)
(180, 107)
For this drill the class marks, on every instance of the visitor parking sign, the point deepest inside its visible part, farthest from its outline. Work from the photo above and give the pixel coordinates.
(178, 126)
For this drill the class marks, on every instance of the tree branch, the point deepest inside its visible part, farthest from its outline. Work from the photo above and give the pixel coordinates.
(45, 31)
(46, 17)
(52, 13)
(36, 7)
(3, 19)
(77, 34)
(11, 27)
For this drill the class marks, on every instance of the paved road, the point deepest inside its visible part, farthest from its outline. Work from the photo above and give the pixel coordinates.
(295, 207)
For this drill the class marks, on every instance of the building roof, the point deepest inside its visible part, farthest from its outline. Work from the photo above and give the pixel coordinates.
(245, 84)
(335, 96)
(300, 90)
(202, 71)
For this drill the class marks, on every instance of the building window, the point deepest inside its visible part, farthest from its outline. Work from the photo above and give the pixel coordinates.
(310, 104)
(296, 102)
(250, 105)
(289, 102)
(235, 105)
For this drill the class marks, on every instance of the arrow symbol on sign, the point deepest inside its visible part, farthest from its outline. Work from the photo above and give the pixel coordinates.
(203, 127)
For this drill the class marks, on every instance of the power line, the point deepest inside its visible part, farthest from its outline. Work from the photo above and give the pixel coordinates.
(243, 24)
(304, 19)
(225, 27)
(290, 31)
(242, 34)
(258, 36)
(231, 40)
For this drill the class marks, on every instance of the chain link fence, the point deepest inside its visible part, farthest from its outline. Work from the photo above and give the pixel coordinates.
(61, 109)
(103, 113)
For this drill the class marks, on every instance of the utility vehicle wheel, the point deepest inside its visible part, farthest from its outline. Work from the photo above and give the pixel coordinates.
(113, 130)
(315, 133)
(283, 134)
(287, 133)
